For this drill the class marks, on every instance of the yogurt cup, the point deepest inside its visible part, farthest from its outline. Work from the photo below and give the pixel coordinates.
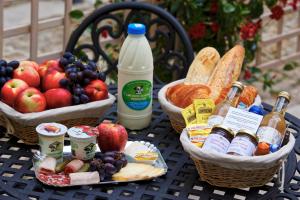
(51, 139)
(83, 141)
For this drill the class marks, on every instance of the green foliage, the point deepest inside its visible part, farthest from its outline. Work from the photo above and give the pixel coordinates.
(76, 14)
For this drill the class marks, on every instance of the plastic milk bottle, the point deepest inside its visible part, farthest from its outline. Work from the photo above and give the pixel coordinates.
(135, 79)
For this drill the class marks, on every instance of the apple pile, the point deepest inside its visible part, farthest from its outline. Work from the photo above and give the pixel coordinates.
(29, 87)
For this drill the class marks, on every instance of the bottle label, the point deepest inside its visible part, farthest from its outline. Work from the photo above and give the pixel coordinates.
(242, 146)
(214, 120)
(215, 142)
(269, 135)
(137, 94)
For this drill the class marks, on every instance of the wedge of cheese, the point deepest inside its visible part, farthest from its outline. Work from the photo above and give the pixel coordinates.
(137, 171)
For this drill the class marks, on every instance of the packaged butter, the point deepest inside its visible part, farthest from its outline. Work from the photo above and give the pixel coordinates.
(203, 109)
(189, 115)
(141, 153)
(198, 133)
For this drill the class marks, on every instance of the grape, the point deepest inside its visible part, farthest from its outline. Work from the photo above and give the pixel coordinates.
(63, 62)
(110, 169)
(86, 81)
(3, 63)
(14, 64)
(8, 78)
(64, 83)
(119, 164)
(110, 154)
(67, 55)
(77, 91)
(2, 81)
(87, 73)
(79, 64)
(72, 76)
(84, 98)
(102, 76)
(79, 75)
(124, 161)
(108, 159)
(9, 70)
(2, 71)
(93, 65)
(71, 59)
(76, 100)
(68, 70)
(94, 75)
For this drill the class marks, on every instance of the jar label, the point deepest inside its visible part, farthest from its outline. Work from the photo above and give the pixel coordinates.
(214, 120)
(215, 142)
(137, 94)
(242, 146)
(269, 135)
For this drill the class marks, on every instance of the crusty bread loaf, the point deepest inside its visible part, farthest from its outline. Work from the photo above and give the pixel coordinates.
(137, 171)
(182, 95)
(227, 71)
(202, 66)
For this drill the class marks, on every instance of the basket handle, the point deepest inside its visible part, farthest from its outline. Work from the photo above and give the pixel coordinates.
(5, 122)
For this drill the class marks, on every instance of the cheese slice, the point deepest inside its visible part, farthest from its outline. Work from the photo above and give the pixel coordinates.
(84, 178)
(137, 171)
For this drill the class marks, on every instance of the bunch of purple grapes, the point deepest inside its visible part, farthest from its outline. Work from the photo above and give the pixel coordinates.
(108, 163)
(79, 74)
(6, 71)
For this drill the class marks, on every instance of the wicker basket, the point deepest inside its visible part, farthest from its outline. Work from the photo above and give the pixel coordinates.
(235, 171)
(174, 112)
(23, 125)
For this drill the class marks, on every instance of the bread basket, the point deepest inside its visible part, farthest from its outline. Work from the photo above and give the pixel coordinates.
(174, 112)
(236, 171)
(23, 125)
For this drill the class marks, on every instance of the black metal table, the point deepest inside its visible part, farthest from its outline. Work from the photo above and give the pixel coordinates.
(17, 179)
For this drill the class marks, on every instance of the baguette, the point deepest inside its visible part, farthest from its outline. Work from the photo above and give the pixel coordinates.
(227, 71)
(202, 66)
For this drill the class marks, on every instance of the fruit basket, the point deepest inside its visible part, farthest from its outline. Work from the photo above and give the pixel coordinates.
(174, 112)
(22, 125)
(225, 170)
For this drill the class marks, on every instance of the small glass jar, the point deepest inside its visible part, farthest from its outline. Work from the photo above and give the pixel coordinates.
(243, 144)
(219, 139)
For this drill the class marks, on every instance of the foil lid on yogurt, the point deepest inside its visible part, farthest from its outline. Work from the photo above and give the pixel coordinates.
(51, 129)
(82, 132)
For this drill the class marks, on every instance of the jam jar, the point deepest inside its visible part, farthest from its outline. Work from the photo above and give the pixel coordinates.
(219, 139)
(243, 144)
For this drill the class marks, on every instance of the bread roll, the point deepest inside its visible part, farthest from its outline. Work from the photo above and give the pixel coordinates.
(202, 66)
(227, 71)
(182, 95)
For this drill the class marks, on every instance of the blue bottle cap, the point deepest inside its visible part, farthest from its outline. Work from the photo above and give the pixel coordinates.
(136, 29)
(274, 148)
(257, 110)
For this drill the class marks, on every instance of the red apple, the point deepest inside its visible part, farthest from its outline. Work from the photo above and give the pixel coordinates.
(112, 137)
(58, 97)
(27, 74)
(28, 63)
(50, 64)
(96, 90)
(30, 100)
(11, 89)
(52, 78)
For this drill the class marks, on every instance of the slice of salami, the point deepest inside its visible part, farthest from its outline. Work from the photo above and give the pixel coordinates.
(54, 179)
